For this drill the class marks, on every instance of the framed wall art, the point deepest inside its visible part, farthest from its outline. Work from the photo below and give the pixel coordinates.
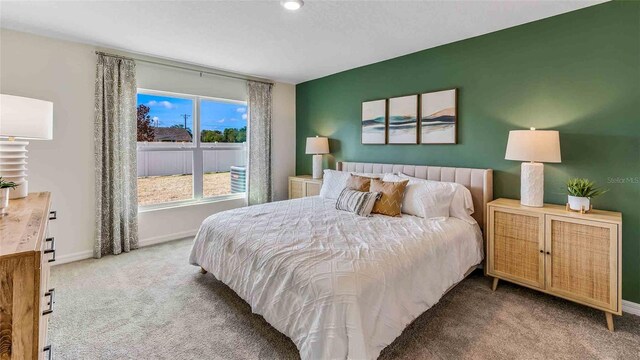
(438, 119)
(374, 116)
(403, 120)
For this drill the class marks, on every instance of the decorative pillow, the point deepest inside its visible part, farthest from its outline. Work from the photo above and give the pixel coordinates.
(333, 182)
(390, 202)
(461, 204)
(358, 183)
(426, 199)
(357, 202)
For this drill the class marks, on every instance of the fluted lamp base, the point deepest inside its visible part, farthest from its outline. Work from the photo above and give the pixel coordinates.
(13, 166)
(532, 184)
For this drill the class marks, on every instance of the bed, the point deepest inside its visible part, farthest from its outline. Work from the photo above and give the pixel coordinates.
(342, 286)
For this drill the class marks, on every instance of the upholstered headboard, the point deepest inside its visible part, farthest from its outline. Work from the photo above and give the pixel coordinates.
(478, 181)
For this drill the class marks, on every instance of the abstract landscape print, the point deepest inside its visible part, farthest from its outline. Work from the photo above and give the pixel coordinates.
(438, 117)
(403, 120)
(374, 114)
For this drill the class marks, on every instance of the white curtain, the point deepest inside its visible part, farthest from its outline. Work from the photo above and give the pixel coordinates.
(259, 125)
(115, 155)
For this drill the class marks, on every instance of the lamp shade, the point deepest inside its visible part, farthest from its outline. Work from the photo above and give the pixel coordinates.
(26, 118)
(533, 145)
(317, 145)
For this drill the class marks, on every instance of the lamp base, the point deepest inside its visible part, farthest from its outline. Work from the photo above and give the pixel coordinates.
(13, 166)
(532, 184)
(317, 166)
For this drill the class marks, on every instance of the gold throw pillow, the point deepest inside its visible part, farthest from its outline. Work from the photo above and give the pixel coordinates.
(390, 203)
(358, 183)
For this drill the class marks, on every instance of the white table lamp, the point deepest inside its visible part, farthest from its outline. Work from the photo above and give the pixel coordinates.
(317, 146)
(21, 118)
(537, 147)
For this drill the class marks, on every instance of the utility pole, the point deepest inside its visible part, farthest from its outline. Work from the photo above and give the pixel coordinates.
(185, 116)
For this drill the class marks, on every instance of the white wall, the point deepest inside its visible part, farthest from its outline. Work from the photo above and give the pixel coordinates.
(283, 139)
(64, 73)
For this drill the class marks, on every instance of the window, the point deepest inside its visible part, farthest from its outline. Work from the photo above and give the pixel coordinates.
(173, 164)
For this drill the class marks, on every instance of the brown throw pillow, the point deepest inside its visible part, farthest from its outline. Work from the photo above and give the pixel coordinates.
(358, 183)
(390, 203)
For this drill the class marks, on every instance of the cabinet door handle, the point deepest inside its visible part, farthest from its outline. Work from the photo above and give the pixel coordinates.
(548, 253)
(52, 249)
(53, 215)
(52, 299)
(541, 251)
(48, 349)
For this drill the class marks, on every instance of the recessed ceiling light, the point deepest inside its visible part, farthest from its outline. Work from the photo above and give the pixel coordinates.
(292, 4)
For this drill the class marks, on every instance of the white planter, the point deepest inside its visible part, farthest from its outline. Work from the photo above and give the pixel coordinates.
(579, 203)
(4, 201)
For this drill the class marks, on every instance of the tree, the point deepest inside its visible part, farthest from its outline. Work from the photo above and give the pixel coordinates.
(145, 130)
(230, 135)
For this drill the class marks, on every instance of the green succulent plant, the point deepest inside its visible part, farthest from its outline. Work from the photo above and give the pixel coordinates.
(584, 188)
(7, 184)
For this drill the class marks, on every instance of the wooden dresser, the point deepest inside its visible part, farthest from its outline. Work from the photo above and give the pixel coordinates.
(567, 254)
(25, 297)
(303, 186)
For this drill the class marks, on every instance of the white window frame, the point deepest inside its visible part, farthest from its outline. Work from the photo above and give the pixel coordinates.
(196, 148)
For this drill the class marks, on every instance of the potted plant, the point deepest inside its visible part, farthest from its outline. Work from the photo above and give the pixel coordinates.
(580, 193)
(5, 186)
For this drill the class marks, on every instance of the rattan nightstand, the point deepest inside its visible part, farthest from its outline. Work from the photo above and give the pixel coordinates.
(567, 254)
(303, 186)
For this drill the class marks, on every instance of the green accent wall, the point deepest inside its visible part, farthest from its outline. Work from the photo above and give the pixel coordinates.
(578, 73)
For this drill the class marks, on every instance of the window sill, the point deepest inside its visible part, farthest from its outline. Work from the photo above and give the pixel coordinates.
(188, 203)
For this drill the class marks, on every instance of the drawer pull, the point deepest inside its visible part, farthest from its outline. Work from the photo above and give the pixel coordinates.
(48, 349)
(52, 249)
(53, 215)
(52, 299)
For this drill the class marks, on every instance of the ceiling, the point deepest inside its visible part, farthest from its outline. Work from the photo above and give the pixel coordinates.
(263, 39)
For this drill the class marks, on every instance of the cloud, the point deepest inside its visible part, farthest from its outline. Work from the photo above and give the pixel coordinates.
(220, 121)
(244, 116)
(155, 118)
(165, 104)
(241, 109)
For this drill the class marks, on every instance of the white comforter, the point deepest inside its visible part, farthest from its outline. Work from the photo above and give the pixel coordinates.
(340, 286)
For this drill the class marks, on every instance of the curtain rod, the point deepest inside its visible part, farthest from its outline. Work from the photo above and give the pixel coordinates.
(239, 77)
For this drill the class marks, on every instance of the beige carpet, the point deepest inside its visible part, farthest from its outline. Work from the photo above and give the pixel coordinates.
(151, 304)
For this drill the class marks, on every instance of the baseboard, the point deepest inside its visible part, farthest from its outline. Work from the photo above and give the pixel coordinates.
(88, 254)
(630, 307)
(164, 238)
(77, 256)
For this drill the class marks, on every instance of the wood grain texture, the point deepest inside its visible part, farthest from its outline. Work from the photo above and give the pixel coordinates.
(17, 308)
(24, 228)
(560, 210)
(24, 275)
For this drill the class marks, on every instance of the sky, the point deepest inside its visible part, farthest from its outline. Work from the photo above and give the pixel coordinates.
(215, 115)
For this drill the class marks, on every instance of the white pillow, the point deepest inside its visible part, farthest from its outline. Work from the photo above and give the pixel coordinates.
(426, 199)
(462, 203)
(333, 182)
